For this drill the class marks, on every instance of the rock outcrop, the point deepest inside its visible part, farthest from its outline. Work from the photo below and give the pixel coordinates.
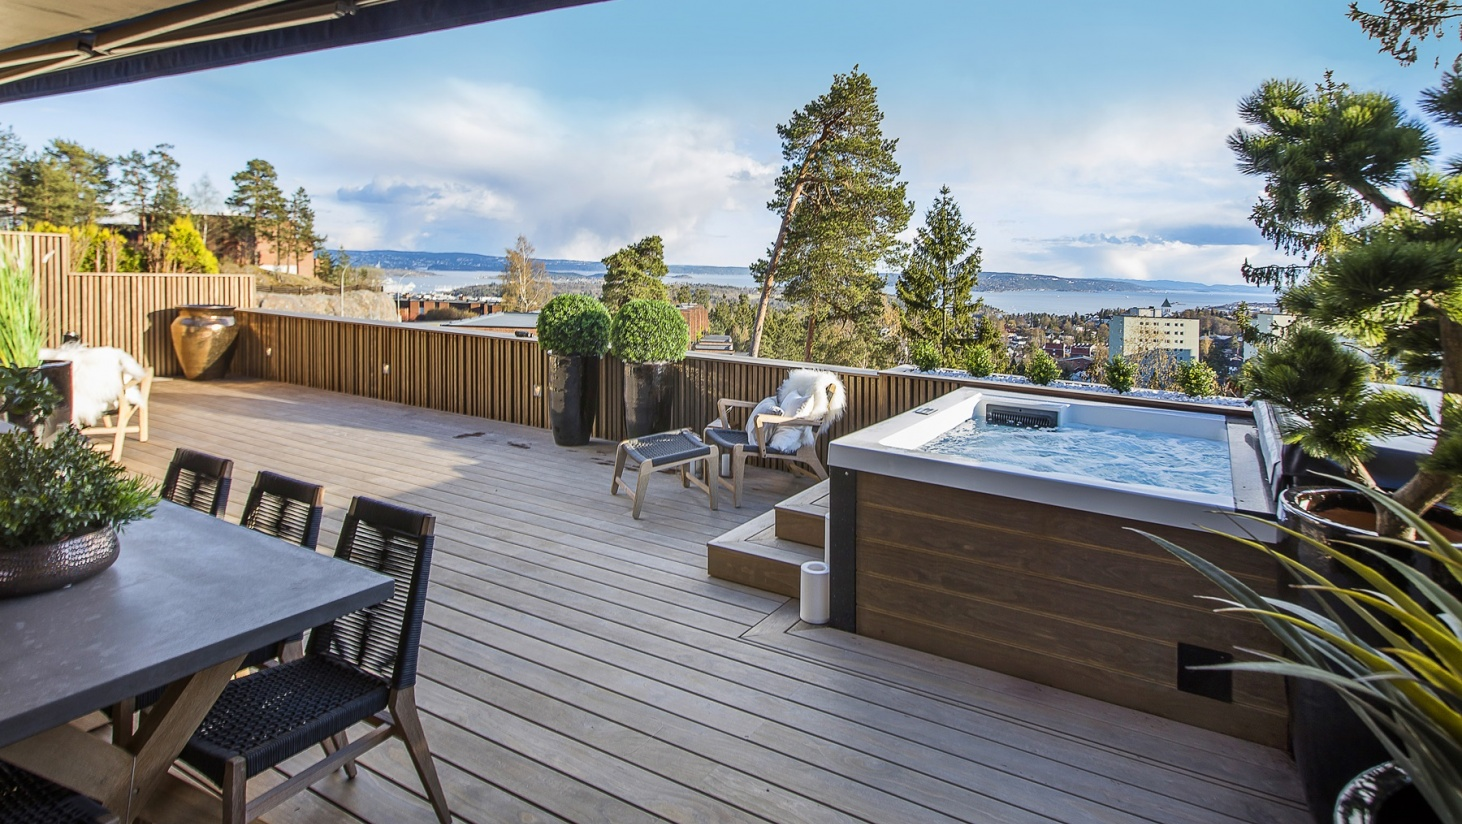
(358, 304)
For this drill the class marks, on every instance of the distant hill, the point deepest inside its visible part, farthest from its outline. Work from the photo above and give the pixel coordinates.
(989, 281)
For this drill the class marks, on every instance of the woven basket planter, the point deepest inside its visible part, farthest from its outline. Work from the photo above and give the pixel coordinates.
(52, 566)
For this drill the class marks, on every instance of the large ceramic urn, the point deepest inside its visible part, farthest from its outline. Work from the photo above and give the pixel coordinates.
(203, 338)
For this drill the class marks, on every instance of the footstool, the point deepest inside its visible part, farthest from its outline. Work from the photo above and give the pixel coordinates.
(664, 450)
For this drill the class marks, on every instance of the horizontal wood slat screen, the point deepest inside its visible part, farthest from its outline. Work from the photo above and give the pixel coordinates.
(505, 378)
(131, 311)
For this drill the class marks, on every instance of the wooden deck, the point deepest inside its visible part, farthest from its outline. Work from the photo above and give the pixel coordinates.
(578, 665)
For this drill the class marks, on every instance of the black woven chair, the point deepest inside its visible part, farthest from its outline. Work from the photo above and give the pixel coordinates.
(354, 668)
(285, 508)
(290, 510)
(199, 481)
(26, 798)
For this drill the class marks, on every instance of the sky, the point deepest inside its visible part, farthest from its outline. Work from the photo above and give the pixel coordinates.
(1080, 139)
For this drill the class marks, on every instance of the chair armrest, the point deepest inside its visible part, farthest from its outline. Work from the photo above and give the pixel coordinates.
(725, 405)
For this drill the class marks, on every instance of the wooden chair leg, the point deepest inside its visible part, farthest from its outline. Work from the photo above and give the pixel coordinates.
(235, 791)
(738, 472)
(642, 485)
(808, 454)
(713, 459)
(291, 650)
(618, 470)
(403, 710)
(339, 741)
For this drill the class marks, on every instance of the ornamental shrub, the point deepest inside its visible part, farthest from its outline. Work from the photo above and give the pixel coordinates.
(925, 355)
(1041, 368)
(574, 325)
(1121, 374)
(64, 488)
(1197, 379)
(979, 362)
(649, 331)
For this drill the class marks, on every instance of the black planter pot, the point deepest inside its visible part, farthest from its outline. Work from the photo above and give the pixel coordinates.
(1331, 745)
(649, 398)
(1383, 794)
(58, 374)
(573, 397)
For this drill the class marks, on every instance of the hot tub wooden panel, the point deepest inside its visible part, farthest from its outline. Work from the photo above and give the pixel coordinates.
(1059, 596)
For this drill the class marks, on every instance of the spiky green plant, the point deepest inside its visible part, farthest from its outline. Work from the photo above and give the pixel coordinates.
(22, 326)
(1407, 687)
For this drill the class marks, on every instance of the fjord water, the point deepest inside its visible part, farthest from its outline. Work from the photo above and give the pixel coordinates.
(1123, 455)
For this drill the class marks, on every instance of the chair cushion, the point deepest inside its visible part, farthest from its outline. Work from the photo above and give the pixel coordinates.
(26, 798)
(276, 713)
(726, 439)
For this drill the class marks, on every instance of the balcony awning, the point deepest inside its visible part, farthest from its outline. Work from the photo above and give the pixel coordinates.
(49, 48)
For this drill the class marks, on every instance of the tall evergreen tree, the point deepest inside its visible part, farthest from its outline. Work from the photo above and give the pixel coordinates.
(67, 185)
(167, 202)
(12, 152)
(938, 282)
(297, 235)
(526, 286)
(841, 208)
(635, 272)
(259, 204)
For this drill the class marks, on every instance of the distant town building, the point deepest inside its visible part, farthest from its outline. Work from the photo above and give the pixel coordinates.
(1055, 349)
(1143, 331)
(1268, 325)
(1080, 350)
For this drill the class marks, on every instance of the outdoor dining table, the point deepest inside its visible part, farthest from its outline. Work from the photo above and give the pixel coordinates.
(189, 596)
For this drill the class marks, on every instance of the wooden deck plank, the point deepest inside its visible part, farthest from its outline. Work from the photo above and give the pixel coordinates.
(579, 665)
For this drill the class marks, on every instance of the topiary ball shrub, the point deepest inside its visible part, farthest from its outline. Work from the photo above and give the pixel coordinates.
(979, 363)
(649, 331)
(1197, 380)
(1042, 368)
(1121, 374)
(925, 356)
(64, 489)
(574, 325)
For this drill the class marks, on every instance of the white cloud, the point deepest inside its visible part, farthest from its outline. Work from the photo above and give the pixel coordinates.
(470, 166)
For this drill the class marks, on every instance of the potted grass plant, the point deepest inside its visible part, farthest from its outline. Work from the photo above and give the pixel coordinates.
(574, 330)
(63, 504)
(1403, 680)
(651, 337)
(22, 336)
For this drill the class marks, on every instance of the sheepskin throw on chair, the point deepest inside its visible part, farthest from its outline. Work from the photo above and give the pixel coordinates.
(807, 394)
(98, 374)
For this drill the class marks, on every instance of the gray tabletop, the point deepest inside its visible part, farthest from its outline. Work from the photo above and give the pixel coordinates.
(188, 591)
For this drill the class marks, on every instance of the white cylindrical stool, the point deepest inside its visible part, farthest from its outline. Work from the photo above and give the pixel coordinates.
(814, 592)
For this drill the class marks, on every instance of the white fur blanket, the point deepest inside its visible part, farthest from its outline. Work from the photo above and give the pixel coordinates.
(806, 393)
(98, 374)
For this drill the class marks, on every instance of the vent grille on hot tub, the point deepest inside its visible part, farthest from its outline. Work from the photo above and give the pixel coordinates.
(1020, 416)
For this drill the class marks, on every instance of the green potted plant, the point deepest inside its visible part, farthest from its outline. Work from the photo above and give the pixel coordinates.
(63, 504)
(27, 397)
(1403, 681)
(650, 336)
(574, 330)
(22, 336)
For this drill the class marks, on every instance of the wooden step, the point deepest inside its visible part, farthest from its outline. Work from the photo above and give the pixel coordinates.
(752, 554)
(803, 517)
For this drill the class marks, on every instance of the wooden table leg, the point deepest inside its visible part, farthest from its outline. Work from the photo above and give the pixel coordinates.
(123, 778)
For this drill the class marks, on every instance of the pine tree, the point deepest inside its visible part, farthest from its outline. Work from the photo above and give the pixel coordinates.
(12, 152)
(938, 282)
(635, 272)
(68, 185)
(841, 209)
(259, 204)
(526, 286)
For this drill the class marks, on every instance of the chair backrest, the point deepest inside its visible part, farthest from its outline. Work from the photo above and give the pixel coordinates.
(199, 481)
(394, 541)
(285, 508)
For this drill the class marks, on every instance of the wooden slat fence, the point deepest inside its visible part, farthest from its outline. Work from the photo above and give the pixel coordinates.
(131, 311)
(504, 378)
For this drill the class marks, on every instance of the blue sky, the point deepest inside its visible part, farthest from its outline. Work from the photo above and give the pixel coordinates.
(1080, 138)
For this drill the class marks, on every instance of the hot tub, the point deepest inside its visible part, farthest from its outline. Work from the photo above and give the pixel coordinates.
(1019, 556)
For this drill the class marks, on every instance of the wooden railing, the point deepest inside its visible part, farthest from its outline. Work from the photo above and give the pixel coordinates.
(505, 378)
(131, 311)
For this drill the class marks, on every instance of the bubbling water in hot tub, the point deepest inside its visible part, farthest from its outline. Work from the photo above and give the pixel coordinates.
(1132, 456)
